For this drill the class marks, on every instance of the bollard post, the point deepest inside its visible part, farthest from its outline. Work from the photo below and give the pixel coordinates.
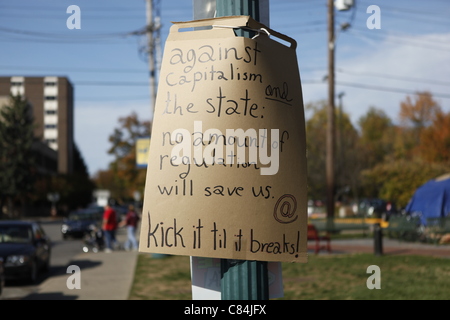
(378, 239)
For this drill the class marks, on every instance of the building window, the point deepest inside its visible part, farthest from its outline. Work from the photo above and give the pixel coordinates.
(50, 112)
(50, 98)
(16, 84)
(50, 84)
(50, 126)
(50, 141)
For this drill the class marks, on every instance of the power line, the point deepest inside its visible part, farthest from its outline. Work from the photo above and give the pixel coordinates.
(394, 77)
(66, 69)
(356, 32)
(109, 98)
(7, 38)
(379, 88)
(389, 89)
(109, 83)
(58, 17)
(416, 38)
(409, 10)
(64, 36)
(57, 9)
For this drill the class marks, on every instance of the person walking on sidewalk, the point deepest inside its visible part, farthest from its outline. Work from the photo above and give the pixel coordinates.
(109, 227)
(131, 221)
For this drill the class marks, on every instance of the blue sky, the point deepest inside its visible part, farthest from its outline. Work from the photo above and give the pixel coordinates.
(104, 61)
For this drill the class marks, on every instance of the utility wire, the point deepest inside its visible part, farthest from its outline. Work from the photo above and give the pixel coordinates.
(357, 33)
(389, 89)
(394, 77)
(64, 36)
(434, 14)
(68, 69)
(401, 36)
(379, 88)
(109, 83)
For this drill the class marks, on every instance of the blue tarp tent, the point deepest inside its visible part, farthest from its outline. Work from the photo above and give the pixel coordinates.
(431, 200)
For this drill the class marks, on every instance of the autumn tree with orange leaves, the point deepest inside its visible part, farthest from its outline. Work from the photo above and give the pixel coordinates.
(419, 111)
(416, 114)
(421, 150)
(435, 140)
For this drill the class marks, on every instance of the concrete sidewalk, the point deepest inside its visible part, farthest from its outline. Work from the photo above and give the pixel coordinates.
(103, 276)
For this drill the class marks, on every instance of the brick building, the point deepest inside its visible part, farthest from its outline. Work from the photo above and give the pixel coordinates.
(51, 99)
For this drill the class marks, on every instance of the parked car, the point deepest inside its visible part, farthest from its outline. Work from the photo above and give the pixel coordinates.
(79, 222)
(371, 207)
(25, 249)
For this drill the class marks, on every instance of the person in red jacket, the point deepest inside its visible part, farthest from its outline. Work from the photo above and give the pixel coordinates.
(109, 227)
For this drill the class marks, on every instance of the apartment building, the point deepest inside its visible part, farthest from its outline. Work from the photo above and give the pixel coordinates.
(51, 99)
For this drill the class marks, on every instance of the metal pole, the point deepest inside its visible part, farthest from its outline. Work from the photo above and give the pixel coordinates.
(378, 239)
(151, 54)
(331, 115)
(243, 279)
(340, 140)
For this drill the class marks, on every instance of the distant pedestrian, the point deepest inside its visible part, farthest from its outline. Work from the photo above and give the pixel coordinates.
(131, 221)
(109, 227)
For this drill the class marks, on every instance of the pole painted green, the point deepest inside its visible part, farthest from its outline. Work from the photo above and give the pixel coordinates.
(237, 8)
(242, 279)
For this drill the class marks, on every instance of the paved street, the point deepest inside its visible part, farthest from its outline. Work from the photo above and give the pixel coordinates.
(110, 270)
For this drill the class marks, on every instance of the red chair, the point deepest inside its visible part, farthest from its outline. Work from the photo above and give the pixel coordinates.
(313, 235)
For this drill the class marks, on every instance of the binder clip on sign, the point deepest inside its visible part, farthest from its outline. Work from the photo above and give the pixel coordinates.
(226, 175)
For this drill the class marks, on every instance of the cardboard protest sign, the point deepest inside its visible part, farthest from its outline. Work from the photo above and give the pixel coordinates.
(226, 175)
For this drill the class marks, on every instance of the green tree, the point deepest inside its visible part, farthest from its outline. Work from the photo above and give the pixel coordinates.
(376, 136)
(420, 110)
(316, 149)
(435, 140)
(416, 114)
(17, 164)
(77, 187)
(347, 158)
(397, 180)
(420, 148)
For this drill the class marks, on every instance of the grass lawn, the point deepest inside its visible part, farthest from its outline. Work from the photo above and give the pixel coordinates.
(324, 277)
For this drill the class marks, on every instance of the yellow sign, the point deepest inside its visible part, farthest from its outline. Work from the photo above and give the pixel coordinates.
(142, 146)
